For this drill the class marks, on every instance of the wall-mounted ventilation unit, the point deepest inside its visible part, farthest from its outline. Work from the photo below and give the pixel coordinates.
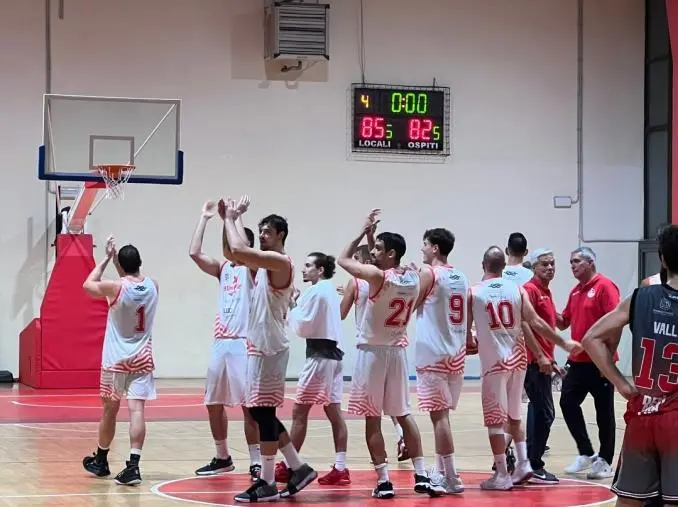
(297, 31)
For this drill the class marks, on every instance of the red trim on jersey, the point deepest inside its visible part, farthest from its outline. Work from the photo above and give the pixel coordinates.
(117, 296)
(433, 283)
(376, 294)
(357, 288)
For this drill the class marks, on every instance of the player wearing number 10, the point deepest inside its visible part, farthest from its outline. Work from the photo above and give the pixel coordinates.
(501, 310)
(127, 362)
(380, 380)
(649, 455)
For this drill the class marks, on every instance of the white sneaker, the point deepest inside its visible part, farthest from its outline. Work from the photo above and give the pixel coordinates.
(498, 483)
(452, 486)
(522, 473)
(580, 464)
(600, 469)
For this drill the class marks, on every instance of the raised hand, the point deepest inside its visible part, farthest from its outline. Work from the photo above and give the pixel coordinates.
(110, 246)
(209, 209)
(230, 210)
(221, 207)
(371, 221)
(243, 204)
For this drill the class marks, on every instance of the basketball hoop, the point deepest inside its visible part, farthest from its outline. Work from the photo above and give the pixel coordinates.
(115, 177)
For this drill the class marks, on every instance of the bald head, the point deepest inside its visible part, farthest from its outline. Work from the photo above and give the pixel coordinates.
(494, 260)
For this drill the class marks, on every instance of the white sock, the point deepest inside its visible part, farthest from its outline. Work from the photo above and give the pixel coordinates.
(268, 469)
(291, 456)
(398, 428)
(382, 473)
(449, 466)
(419, 465)
(222, 449)
(340, 461)
(500, 463)
(255, 454)
(521, 451)
(439, 463)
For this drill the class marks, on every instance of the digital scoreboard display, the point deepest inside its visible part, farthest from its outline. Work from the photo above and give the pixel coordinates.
(395, 119)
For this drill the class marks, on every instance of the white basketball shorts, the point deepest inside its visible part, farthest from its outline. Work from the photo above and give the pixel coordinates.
(438, 391)
(501, 394)
(226, 382)
(321, 382)
(133, 386)
(266, 379)
(380, 382)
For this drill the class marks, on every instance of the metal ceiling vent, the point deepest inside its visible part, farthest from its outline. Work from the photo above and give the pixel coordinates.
(297, 30)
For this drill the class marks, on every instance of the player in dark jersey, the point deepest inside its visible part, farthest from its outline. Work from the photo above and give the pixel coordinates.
(649, 456)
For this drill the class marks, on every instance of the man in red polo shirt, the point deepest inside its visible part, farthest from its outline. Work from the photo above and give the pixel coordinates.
(594, 296)
(538, 381)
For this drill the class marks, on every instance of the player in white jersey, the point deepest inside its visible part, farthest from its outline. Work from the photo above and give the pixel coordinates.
(516, 251)
(315, 316)
(127, 359)
(356, 292)
(225, 384)
(268, 348)
(380, 381)
(502, 312)
(441, 347)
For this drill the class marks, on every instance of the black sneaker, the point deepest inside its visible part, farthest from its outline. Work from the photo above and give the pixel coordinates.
(260, 491)
(510, 461)
(299, 479)
(130, 476)
(541, 476)
(383, 490)
(547, 450)
(255, 472)
(216, 466)
(423, 485)
(100, 469)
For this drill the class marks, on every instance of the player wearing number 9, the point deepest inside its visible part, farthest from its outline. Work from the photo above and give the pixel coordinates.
(380, 381)
(649, 455)
(127, 360)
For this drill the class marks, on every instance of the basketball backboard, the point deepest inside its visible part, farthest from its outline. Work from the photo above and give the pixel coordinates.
(81, 132)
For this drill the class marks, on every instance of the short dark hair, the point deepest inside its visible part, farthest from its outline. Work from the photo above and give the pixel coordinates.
(278, 223)
(517, 243)
(668, 248)
(129, 259)
(393, 241)
(250, 236)
(442, 238)
(327, 262)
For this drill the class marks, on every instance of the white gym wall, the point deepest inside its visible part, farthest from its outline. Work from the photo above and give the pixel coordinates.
(512, 69)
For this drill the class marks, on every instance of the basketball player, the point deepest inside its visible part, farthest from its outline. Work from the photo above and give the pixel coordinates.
(502, 312)
(316, 318)
(226, 374)
(516, 251)
(356, 291)
(267, 348)
(380, 381)
(127, 360)
(649, 455)
(441, 347)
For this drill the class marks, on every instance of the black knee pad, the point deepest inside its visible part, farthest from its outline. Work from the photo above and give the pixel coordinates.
(268, 423)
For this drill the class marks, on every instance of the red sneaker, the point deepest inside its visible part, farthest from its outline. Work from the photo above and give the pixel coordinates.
(282, 473)
(336, 478)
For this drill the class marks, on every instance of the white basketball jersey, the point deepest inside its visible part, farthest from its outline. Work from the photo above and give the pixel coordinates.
(235, 293)
(388, 312)
(441, 322)
(318, 314)
(655, 279)
(362, 294)
(497, 312)
(518, 274)
(128, 346)
(268, 315)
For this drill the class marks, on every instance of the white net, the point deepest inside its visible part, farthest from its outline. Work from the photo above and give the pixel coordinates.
(115, 178)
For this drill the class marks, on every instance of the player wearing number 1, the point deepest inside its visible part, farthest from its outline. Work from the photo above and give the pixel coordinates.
(441, 348)
(649, 455)
(127, 360)
(502, 311)
(380, 380)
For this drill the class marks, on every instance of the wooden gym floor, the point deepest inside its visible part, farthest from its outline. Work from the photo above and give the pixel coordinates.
(45, 434)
